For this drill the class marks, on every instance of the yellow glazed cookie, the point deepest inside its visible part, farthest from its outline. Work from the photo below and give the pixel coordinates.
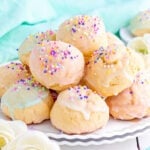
(31, 42)
(140, 24)
(141, 45)
(79, 110)
(109, 71)
(11, 73)
(113, 39)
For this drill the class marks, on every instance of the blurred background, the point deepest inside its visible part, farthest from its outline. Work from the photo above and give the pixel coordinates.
(19, 18)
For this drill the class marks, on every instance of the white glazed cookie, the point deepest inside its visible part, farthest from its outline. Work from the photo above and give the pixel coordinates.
(79, 110)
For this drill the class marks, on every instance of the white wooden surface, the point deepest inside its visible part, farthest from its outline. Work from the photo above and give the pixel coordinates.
(144, 144)
(144, 141)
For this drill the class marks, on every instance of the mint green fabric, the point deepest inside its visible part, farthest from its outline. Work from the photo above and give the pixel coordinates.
(19, 18)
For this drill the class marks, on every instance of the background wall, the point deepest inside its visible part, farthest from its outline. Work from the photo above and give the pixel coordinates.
(19, 18)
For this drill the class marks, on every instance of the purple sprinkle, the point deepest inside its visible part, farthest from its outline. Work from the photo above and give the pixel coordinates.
(65, 53)
(71, 57)
(131, 92)
(28, 88)
(85, 97)
(22, 80)
(53, 53)
(85, 87)
(74, 30)
(68, 53)
(45, 71)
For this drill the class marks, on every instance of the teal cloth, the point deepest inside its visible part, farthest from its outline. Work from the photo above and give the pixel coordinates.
(19, 18)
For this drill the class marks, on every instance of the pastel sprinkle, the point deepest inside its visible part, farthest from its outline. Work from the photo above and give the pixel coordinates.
(77, 89)
(73, 29)
(52, 57)
(144, 16)
(89, 25)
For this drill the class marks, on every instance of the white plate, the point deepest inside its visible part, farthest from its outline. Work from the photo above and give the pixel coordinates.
(115, 131)
(125, 35)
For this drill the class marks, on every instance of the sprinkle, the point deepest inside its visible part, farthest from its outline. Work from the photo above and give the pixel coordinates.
(73, 29)
(45, 71)
(81, 95)
(52, 57)
(53, 53)
(131, 92)
(28, 88)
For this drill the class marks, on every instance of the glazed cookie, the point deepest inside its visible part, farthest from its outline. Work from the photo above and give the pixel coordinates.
(31, 42)
(87, 33)
(113, 39)
(109, 71)
(142, 46)
(133, 102)
(28, 101)
(11, 73)
(140, 24)
(135, 60)
(79, 110)
(57, 65)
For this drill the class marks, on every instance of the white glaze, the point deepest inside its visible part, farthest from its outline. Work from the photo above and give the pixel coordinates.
(71, 99)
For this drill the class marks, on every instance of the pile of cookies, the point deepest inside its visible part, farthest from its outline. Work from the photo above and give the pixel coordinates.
(91, 70)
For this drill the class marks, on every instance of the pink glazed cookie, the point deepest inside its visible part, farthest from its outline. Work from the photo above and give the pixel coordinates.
(133, 102)
(57, 65)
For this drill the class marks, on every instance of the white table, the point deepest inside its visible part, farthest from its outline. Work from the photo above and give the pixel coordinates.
(140, 143)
